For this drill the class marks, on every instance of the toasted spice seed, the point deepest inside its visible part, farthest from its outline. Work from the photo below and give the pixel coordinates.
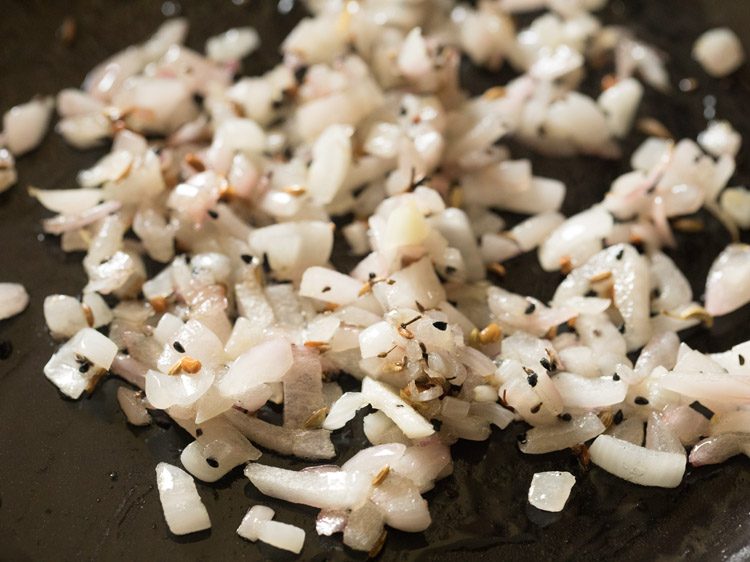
(159, 304)
(566, 265)
(604, 275)
(378, 546)
(687, 224)
(608, 80)
(545, 364)
(617, 418)
(194, 162)
(316, 419)
(591, 293)
(190, 365)
(404, 333)
(212, 462)
(474, 338)
(582, 452)
(295, 190)
(325, 289)
(530, 309)
(497, 268)
(365, 289)
(382, 475)
(532, 379)
(621, 328)
(606, 417)
(490, 334)
(213, 214)
(565, 417)
(331, 306)
(315, 344)
(178, 347)
(372, 275)
(620, 254)
(85, 366)
(536, 408)
(521, 438)
(390, 282)
(384, 354)
(640, 400)
(741, 359)
(442, 326)
(198, 432)
(450, 270)
(615, 377)
(247, 258)
(496, 92)
(175, 369)
(653, 128)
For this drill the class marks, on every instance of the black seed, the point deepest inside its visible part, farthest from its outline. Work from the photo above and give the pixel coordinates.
(741, 359)
(615, 377)
(597, 333)
(213, 214)
(399, 405)
(402, 110)
(530, 309)
(554, 365)
(197, 98)
(450, 270)
(532, 379)
(621, 328)
(641, 401)
(545, 363)
(536, 408)
(442, 326)
(178, 347)
(617, 417)
(565, 417)
(620, 254)
(372, 275)
(521, 437)
(212, 462)
(85, 366)
(701, 409)
(420, 308)
(325, 289)
(299, 74)
(198, 432)
(247, 258)
(277, 103)
(591, 293)
(6, 349)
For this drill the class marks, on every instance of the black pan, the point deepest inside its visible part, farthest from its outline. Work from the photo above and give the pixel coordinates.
(77, 483)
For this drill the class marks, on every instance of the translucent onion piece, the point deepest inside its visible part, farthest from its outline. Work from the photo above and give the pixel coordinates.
(550, 490)
(183, 508)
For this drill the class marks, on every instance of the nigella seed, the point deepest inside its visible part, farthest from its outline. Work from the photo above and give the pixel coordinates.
(521, 437)
(372, 275)
(325, 289)
(617, 419)
(85, 366)
(545, 363)
(449, 270)
(565, 417)
(198, 432)
(620, 254)
(591, 293)
(178, 347)
(641, 401)
(621, 329)
(615, 377)
(442, 326)
(532, 379)
(530, 309)
(536, 408)
(247, 258)
(741, 359)
(6, 349)
(212, 462)
(213, 214)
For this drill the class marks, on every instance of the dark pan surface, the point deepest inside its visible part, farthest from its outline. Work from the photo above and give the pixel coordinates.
(76, 483)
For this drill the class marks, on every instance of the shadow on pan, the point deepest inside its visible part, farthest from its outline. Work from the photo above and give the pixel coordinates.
(76, 483)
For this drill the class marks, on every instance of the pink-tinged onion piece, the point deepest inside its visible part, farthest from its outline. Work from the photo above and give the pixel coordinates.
(561, 435)
(132, 405)
(183, 508)
(637, 464)
(25, 125)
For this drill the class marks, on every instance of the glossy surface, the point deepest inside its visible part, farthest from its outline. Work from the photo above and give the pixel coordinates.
(77, 483)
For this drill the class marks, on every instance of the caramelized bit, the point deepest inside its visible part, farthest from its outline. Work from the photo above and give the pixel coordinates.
(494, 93)
(582, 452)
(566, 265)
(404, 333)
(606, 417)
(497, 268)
(194, 162)
(295, 190)
(378, 546)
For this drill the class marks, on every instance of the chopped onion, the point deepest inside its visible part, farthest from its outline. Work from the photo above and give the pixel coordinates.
(183, 508)
(550, 490)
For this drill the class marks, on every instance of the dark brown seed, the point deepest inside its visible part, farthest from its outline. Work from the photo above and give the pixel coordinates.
(641, 401)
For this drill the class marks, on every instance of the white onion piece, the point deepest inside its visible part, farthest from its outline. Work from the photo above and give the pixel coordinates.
(661, 437)
(731, 422)
(561, 435)
(67, 201)
(25, 125)
(363, 527)
(584, 392)
(293, 247)
(714, 450)
(13, 299)
(735, 202)
(257, 514)
(303, 388)
(132, 405)
(399, 500)
(620, 103)
(379, 430)
(233, 44)
(183, 508)
(218, 449)
(414, 284)
(550, 490)
(719, 51)
(637, 464)
(88, 347)
(264, 363)
(492, 412)
(328, 285)
(573, 238)
(687, 424)
(331, 158)
(382, 397)
(330, 521)
(343, 410)
(630, 430)
(423, 463)
(726, 287)
(733, 389)
(720, 138)
(67, 223)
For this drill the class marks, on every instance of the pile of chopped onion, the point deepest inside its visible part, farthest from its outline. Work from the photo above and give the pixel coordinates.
(231, 184)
